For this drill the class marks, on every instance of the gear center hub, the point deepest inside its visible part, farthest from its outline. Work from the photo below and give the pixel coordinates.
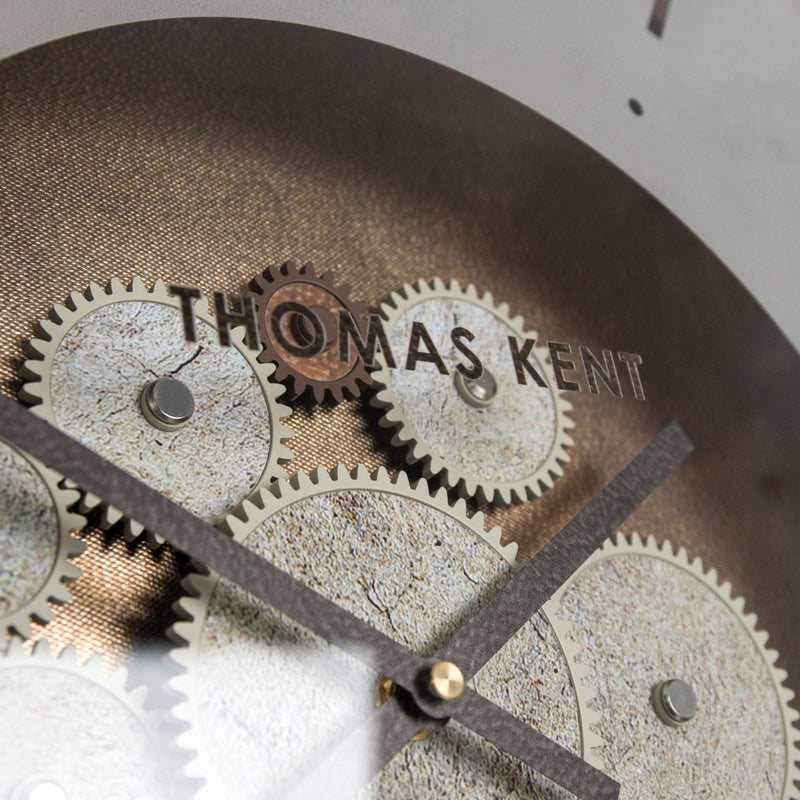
(675, 702)
(477, 392)
(167, 404)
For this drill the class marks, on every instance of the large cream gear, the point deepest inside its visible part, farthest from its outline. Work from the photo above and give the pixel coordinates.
(418, 565)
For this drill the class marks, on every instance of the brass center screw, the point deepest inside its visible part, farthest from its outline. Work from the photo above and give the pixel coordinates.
(446, 680)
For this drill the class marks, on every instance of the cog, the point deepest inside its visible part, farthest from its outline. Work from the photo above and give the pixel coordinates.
(36, 544)
(94, 738)
(98, 355)
(679, 623)
(504, 443)
(412, 565)
(322, 374)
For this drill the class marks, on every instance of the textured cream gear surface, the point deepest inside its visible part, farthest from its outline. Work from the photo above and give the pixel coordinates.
(35, 541)
(418, 568)
(69, 725)
(643, 614)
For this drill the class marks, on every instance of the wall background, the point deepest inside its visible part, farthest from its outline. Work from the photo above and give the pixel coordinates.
(717, 142)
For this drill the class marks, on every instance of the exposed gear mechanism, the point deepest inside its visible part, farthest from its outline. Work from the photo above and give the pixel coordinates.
(106, 368)
(490, 438)
(307, 359)
(94, 739)
(35, 541)
(689, 700)
(264, 697)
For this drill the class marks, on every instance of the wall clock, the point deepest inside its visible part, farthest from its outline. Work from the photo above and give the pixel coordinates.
(207, 154)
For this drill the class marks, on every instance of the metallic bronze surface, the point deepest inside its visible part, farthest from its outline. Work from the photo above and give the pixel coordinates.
(200, 152)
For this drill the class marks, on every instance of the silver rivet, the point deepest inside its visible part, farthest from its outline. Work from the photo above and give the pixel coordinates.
(167, 404)
(479, 392)
(674, 702)
(38, 789)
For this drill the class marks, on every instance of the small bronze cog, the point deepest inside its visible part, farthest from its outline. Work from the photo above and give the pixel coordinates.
(298, 318)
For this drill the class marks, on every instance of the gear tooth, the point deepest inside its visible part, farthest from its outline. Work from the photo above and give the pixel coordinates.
(47, 329)
(89, 502)
(154, 541)
(22, 627)
(736, 602)
(91, 293)
(137, 285)
(481, 497)
(93, 663)
(304, 481)
(750, 619)
(45, 613)
(43, 649)
(59, 314)
(279, 487)
(115, 287)
(35, 350)
(316, 392)
(294, 480)
(248, 511)
(13, 648)
(158, 289)
(441, 496)
(31, 393)
(73, 303)
(510, 552)
(110, 517)
(237, 335)
(75, 547)
(651, 543)
(69, 654)
(408, 291)
(71, 573)
(401, 480)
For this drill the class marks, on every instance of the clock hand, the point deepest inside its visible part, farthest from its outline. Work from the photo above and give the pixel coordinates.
(350, 765)
(229, 558)
(362, 754)
(508, 610)
(209, 545)
(494, 624)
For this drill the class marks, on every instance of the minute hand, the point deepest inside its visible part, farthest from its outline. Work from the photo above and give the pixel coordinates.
(488, 630)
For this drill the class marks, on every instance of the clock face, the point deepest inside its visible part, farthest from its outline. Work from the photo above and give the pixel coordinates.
(542, 319)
